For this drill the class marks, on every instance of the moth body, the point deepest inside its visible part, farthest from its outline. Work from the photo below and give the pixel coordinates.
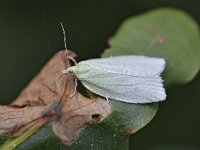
(132, 79)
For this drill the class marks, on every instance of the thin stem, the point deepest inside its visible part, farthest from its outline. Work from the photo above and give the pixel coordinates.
(13, 143)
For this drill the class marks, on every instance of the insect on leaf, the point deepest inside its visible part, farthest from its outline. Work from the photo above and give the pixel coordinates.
(132, 79)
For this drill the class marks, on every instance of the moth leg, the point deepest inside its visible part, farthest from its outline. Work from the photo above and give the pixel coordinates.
(73, 60)
(107, 100)
(71, 71)
(75, 86)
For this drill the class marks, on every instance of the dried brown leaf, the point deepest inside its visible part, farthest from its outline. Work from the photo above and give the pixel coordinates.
(38, 99)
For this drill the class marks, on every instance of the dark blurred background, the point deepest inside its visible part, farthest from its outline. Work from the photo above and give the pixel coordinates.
(30, 34)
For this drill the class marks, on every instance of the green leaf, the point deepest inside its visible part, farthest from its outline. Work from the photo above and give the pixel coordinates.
(94, 137)
(167, 33)
(128, 118)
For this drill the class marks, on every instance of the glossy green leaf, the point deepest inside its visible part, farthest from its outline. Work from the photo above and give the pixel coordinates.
(167, 33)
(94, 137)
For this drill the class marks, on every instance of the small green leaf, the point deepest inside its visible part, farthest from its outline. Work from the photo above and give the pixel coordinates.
(167, 33)
(128, 118)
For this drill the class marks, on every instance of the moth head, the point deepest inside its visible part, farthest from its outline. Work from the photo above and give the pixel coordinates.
(70, 70)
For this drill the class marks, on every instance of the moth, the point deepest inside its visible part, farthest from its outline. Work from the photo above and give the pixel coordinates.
(131, 79)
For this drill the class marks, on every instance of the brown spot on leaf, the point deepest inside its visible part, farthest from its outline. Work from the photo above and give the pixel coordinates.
(129, 131)
(160, 40)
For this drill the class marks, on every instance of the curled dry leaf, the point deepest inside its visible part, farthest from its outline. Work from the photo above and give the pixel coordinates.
(38, 100)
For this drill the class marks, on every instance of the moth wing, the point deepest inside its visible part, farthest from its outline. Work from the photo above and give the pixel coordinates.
(130, 65)
(133, 79)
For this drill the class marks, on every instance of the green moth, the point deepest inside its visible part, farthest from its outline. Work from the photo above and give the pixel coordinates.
(131, 79)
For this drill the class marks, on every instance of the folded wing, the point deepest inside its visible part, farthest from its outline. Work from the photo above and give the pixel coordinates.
(132, 79)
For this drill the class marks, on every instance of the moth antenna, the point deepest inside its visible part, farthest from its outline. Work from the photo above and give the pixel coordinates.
(65, 44)
(64, 37)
